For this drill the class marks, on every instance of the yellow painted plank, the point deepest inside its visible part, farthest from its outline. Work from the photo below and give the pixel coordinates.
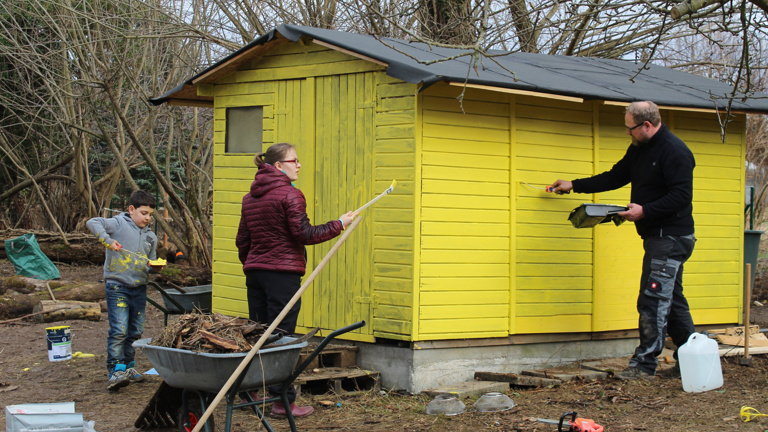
(463, 285)
(396, 90)
(395, 104)
(558, 281)
(460, 298)
(394, 145)
(390, 312)
(430, 256)
(462, 270)
(554, 296)
(391, 328)
(398, 229)
(525, 269)
(554, 256)
(482, 120)
(396, 118)
(462, 312)
(465, 173)
(393, 256)
(554, 324)
(468, 325)
(525, 243)
(383, 283)
(399, 131)
(462, 146)
(478, 228)
(453, 159)
(459, 132)
(716, 316)
(468, 243)
(392, 270)
(465, 187)
(464, 215)
(471, 107)
(393, 298)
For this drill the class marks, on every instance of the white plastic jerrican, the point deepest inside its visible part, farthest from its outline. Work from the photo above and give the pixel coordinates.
(700, 364)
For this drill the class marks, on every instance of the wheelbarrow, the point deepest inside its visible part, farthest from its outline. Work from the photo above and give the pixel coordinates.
(202, 375)
(182, 300)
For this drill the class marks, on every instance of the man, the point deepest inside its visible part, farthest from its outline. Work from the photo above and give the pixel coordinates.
(660, 168)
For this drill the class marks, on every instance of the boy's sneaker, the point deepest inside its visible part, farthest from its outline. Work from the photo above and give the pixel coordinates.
(633, 373)
(133, 375)
(117, 380)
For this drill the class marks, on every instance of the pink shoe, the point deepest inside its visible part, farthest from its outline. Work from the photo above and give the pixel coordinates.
(255, 396)
(278, 409)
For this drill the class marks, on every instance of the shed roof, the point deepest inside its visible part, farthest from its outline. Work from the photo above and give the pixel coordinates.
(586, 78)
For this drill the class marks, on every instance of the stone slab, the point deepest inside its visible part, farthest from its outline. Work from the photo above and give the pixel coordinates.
(469, 388)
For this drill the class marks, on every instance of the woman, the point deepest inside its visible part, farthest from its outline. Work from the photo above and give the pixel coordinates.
(274, 228)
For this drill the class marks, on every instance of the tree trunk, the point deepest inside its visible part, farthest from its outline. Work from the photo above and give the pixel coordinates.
(20, 295)
(82, 247)
(50, 311)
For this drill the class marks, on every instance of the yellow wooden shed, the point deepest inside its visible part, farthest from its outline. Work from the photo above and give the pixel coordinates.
(469, 250)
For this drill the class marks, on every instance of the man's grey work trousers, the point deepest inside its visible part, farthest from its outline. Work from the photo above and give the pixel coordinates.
(661, 303)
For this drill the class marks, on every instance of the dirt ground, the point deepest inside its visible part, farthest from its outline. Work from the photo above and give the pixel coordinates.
(26, 376)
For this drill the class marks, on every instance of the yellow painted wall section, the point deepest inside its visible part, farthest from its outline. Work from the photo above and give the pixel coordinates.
(465, 215)
(394, 149)
(554, 260)
(713, 278)
(322, 102)
(618, 250)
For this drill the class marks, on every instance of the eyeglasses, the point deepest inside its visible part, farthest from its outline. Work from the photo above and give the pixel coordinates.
(630, 129)
(296, 161)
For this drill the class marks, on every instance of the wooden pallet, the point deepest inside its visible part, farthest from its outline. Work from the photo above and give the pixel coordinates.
(336, 356)
(337, 380)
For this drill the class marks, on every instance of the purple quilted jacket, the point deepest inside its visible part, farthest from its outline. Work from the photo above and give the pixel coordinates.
(274, 226)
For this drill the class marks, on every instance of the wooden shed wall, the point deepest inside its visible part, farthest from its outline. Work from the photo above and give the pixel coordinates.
(481, 208)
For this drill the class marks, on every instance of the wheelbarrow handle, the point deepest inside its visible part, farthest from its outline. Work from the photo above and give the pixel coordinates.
(166, 295)
(320, 347)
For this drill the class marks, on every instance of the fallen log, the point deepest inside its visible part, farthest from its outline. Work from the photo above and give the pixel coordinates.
(20, 294)
(52, 310)
(82, 247)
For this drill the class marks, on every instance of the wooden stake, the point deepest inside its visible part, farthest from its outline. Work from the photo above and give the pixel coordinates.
(748, 298)
(252, 353)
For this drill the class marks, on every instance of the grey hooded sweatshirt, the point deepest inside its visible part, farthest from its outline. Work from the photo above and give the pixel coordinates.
(130, 265)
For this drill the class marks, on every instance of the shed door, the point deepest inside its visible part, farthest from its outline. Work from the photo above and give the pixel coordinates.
(330, 120)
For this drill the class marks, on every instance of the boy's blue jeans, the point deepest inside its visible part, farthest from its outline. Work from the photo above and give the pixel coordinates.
(125, 309)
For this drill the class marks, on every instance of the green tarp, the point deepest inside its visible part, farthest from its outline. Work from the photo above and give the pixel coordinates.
(29, 260)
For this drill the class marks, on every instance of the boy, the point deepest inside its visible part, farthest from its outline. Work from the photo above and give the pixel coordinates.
(130, 246)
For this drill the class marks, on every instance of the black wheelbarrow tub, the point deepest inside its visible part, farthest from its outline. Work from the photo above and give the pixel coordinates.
(210, 371)
(193, 298)
(588, 215)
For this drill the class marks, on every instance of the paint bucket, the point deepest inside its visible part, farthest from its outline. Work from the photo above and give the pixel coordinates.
(700, 368)
(59, 343)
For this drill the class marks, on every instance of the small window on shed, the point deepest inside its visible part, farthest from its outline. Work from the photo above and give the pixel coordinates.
(245, 128)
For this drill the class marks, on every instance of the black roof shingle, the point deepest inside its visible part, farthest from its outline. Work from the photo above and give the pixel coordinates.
(581, 77)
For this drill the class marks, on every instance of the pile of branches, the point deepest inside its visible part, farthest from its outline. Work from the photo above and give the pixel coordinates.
(210, 333)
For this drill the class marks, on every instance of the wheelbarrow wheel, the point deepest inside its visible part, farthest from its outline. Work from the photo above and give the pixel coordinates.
(188, 420)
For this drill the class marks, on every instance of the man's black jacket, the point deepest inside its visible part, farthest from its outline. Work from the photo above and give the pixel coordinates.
(661, 173)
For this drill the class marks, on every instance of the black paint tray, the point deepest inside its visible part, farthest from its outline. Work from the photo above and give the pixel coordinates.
(588, 215)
